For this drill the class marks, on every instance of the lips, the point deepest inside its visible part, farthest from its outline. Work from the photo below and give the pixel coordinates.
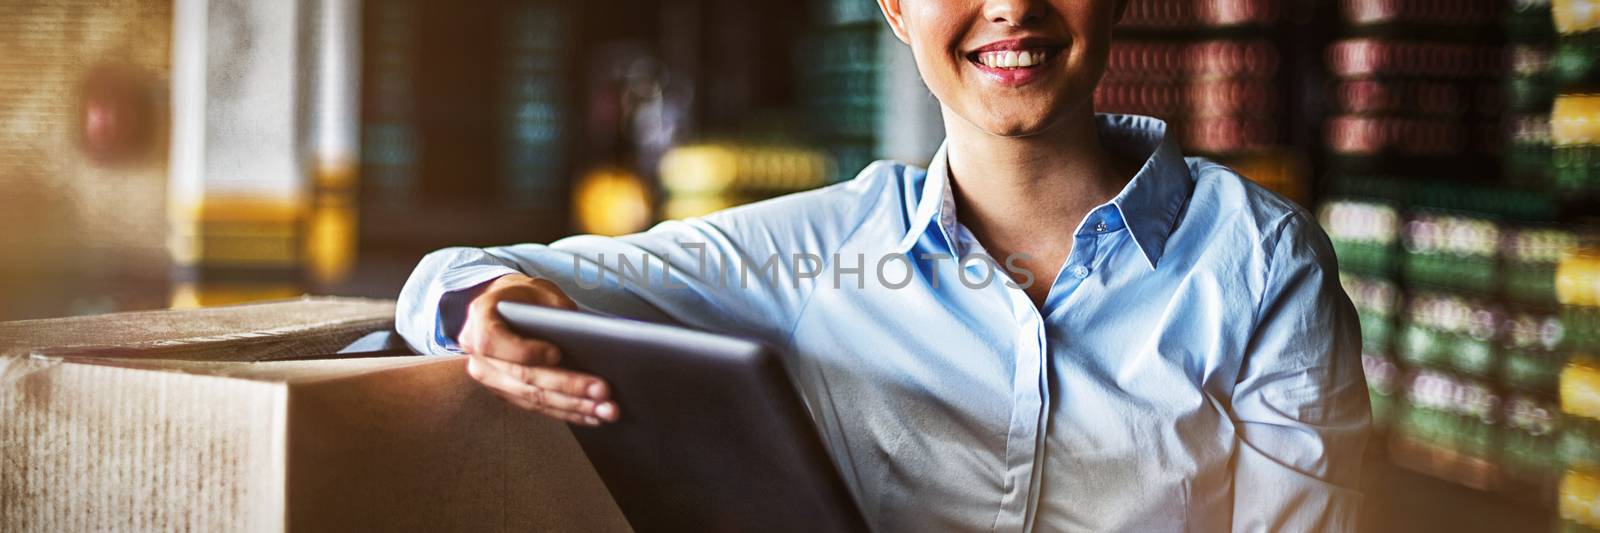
(1015, 61)
(1013, 58)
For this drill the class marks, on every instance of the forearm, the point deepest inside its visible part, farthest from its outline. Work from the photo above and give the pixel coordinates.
(679, 273)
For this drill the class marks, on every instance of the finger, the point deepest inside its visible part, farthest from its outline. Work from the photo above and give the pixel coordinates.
(498, 341)
(568, 382)
(571, 417)
(515, 400)
(528, 405)
(608, 410)
(514, 380)
(525, 382)
(565, 381)
(561, 384)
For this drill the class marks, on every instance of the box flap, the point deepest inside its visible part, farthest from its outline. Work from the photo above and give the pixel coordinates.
(291, 372)
(250, 332)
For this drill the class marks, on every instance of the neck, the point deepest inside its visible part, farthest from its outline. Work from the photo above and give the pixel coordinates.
(1028, 194)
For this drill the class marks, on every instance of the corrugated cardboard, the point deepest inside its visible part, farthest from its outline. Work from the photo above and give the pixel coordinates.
(370, 444)
(252, 332)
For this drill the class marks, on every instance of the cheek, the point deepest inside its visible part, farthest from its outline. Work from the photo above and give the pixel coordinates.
(935, 30)
(935, 21)
(947, 81)
(939, 66)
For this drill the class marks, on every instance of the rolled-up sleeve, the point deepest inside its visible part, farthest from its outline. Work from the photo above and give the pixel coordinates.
(1300, 407)
(432, 305)
(742, 271)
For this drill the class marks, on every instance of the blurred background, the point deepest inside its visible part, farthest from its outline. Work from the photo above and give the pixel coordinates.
(178, 153)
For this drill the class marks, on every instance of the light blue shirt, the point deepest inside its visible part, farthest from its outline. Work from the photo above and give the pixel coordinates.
(1194, 367)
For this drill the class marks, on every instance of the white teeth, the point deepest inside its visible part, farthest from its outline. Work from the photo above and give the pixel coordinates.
(1012, 58)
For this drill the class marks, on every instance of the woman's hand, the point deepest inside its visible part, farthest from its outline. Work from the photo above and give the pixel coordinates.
(522, 370)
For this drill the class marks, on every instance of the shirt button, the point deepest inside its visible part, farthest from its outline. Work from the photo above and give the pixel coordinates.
(1100, 226)
(1080, 272)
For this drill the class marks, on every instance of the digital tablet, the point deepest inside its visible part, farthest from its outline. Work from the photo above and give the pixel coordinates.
(712, 434)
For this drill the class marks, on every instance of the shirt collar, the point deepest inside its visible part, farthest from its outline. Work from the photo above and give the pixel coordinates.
(1149, 204)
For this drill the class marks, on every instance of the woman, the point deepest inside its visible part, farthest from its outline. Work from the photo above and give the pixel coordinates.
(1167, 349)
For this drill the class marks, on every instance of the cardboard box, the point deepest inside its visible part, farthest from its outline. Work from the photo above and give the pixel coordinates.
(383, 443)
(285, 329)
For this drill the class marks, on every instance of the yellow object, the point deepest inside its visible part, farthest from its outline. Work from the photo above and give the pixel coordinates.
(612, 201)
(1579, 498)
(1574, 16)
(190, 295)
(1580, 389)
(1575, 119)
(330, 244)
(725, 168)
(331, 239)
(1578, 279)
(699, 168)
(688, 206)
(238, 231)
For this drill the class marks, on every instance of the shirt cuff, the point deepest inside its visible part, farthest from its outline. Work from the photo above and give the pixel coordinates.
(457, 288)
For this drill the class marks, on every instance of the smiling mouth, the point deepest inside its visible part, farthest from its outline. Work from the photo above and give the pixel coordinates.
(1012, 59)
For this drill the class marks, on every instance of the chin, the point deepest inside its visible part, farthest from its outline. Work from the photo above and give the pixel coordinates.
(1016, 129)
(1019, 124)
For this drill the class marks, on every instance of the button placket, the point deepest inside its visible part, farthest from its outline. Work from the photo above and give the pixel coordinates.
(1027, 414)
(1030, 416)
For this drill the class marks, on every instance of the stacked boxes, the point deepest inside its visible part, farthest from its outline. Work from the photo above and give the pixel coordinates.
(1412, 85)
(1578, 288)
(1217, 93)
(1531, 361)
(1413, 99)
(1364, 226)
(1365, 232)
(1531, 343)
(1210, 68)
(1530, 89)
(1531, 354)
(1478, 277)
(1573, 176)
(1376, 300)
(1415, 93)
(1576, 69)
(1450, 215)
(242, 418)
(1447, 428)
(1574, 134)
